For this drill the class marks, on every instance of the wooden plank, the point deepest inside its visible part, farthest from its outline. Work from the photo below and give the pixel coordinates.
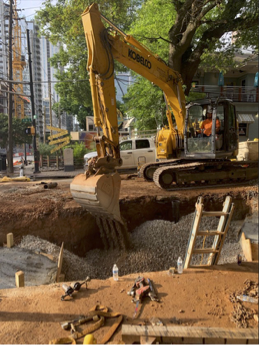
(253, 341)
(214, 341)
(216, 259)
(19, 279)
(209, 233)
(166, 340)
(9, 240)
(147, 340)
(221, 226)
(204, 251)
(196, 222)
(189, 332)
(254, 249)
(236, 341)
(199, 266)
(192, 340)
(60, 260)
(61, 278)
(214, 214)
(246, 247)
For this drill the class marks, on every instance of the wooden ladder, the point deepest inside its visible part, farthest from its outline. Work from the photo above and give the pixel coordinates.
(220, 234)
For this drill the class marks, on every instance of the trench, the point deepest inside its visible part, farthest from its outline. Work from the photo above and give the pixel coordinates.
(158, 228)
(80, 232)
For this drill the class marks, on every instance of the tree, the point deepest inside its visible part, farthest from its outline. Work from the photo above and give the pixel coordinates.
(145, 102)
(62, 22)
(194, 32)
(189, 34)
(19, 136)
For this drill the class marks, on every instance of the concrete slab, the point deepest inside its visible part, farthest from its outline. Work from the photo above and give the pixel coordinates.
(38, 269)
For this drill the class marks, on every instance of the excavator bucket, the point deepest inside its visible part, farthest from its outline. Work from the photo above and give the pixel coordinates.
(98, 194)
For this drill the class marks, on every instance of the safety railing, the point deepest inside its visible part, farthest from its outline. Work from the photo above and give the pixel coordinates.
(247, 94)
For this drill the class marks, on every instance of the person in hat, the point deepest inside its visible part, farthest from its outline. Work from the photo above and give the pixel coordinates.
(206, 125)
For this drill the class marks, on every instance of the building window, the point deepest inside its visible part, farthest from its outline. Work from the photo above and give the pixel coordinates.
(243, 129)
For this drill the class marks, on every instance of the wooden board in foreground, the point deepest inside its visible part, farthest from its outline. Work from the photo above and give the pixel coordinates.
(60, 260)
(190, 335)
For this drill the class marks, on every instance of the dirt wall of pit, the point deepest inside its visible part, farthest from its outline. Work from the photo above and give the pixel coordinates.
(53, 215)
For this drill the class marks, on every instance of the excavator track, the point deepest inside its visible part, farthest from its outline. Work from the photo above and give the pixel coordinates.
(147, 170)
(192, 175)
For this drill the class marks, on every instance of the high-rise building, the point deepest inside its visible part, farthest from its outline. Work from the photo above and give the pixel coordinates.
(50, 96)
(122, 81)
(36, 76)
(4, 22)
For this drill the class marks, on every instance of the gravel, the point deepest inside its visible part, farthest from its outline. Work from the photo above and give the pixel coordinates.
(156, 246)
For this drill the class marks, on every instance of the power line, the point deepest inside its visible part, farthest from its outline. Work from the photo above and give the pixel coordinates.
(6, 44)
(46, 81)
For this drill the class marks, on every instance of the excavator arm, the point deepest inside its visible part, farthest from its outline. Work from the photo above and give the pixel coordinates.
(98, 191)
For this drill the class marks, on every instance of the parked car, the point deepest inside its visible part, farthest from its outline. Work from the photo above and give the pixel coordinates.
(134, 152)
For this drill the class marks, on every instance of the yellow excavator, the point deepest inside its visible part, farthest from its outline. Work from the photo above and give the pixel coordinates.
(206, 159)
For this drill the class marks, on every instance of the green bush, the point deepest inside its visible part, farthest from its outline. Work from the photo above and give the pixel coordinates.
(79, 150)
(45, 149)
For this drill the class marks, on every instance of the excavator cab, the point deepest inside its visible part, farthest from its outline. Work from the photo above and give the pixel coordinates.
(211, 130)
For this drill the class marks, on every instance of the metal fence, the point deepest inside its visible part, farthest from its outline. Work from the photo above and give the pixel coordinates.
(235, 93)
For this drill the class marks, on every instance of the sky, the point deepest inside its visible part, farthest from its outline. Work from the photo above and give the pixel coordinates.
(29, 7)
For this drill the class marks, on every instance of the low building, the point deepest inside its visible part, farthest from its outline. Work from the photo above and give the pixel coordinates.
(241, 86)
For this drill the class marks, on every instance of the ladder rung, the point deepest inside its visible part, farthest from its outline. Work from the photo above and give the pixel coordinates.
(210, 233)
(205, 251)
(214, 214)
(199, 266)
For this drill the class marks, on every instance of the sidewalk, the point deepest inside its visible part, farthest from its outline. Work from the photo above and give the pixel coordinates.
(50, 173)
(45, 173)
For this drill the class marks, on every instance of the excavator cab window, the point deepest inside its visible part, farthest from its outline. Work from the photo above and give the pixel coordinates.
(219, 135)
(197, 140)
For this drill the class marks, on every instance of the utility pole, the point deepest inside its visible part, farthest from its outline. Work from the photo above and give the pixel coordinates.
(50, 105)
(44, 130)
(36, 152)
(10, 98)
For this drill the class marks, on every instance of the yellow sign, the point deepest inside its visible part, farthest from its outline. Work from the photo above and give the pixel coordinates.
(57, 129)
(64, 141)
(61, 145)
(54, 142)
(60, 134)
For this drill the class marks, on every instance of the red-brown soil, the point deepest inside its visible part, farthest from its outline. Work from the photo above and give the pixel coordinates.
(198, 297)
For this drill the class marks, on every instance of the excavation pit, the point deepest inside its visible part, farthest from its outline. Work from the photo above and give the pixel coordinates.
(158, 224)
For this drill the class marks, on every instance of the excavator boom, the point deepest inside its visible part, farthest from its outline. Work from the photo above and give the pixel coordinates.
(98, 190)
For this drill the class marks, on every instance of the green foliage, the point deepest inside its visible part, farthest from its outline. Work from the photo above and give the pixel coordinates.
(18, 136)
(196, 34)
(79, 150)
(44, 149)
(193, 96)
(152, 25)
(187, 34)
(61, 22)
(145, 102)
